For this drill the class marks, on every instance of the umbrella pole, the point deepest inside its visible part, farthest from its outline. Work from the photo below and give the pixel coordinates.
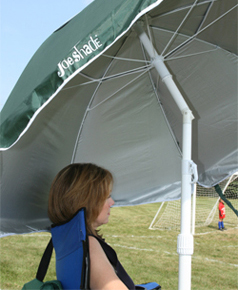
(185, 238)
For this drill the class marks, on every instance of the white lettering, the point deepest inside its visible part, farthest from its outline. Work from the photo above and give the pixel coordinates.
(97, 42)
(84, 52)
(61, 71)
(87, 49)
(70, 60)
(78, 54)
(93, 44)
(65, 64)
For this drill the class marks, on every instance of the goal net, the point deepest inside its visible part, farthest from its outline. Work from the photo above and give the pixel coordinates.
(206, 208)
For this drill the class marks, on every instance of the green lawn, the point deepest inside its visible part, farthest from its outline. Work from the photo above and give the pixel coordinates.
(147, 255)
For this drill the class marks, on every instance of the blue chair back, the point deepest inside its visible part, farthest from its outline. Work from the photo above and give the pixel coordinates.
(72, 254)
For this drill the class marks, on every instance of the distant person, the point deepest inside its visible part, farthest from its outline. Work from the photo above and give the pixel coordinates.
(222, 215)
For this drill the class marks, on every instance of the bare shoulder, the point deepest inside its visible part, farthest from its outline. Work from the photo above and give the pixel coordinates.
(95, 247)
(97, 254)
(93, 242)
(102, 274)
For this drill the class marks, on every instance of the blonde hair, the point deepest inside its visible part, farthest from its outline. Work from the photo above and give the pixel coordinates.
(79, 185)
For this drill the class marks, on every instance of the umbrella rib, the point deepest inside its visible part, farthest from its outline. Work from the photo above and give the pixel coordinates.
(126, 59)
(132, 71)
(85, 115)
(121, 88)
(165, 117)
(176, 32)
(92, 80)
(149, 34)
(205, 16)
(200, 31)
(192, 54)
(136, 70)
(185, 8)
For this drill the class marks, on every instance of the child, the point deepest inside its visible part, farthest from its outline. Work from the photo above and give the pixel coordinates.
(222, 215)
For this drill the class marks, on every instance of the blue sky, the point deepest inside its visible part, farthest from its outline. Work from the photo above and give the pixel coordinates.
(24, 26)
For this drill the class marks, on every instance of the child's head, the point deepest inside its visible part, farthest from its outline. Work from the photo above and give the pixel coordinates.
(221, 200)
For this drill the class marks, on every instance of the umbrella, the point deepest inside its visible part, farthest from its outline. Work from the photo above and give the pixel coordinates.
(139, 87)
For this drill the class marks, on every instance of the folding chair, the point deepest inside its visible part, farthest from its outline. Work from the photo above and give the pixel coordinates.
(72, 254)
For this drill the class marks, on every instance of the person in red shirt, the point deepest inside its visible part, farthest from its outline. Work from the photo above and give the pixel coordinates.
(222, 214)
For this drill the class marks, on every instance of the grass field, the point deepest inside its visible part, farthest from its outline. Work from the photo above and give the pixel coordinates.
(147, 255)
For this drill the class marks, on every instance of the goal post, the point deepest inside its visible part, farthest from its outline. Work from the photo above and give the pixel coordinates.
(151, 225)
(204, 209)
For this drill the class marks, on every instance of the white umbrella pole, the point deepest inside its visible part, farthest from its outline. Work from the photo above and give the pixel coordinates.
(185, 238)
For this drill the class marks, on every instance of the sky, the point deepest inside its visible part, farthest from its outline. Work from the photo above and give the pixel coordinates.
(24, 26)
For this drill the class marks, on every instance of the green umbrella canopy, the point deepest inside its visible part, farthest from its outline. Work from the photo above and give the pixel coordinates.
(91, 94)
(69, 49)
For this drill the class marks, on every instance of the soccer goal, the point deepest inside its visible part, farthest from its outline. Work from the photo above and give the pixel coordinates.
(204, 208)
